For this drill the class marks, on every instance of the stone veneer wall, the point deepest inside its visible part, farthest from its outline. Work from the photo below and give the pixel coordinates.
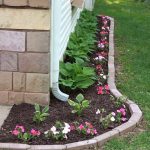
(24, 61)
(26, 3)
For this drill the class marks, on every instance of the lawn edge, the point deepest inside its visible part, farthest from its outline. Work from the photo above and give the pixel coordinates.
(98, 141)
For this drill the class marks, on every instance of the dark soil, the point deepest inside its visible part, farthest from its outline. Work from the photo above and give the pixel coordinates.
(60, 111)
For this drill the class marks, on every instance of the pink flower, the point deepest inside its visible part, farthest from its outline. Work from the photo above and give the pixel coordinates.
(81, 127)
(72, 127)
(107, 87)
(95, 131)
(88, 131)
(89, 125)
(123, 111)
(35, 132)
(124, 119)
(98, 67)
(100, 90)
(20, 128)
(15, 132)
(118, 111)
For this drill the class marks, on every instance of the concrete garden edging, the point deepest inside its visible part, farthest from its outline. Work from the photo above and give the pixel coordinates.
(98, 141)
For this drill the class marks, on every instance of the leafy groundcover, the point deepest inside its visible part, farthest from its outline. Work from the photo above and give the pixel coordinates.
(91, 110)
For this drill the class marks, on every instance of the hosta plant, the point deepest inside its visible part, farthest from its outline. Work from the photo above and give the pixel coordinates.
(76, 75)
(40, 115)
(79, 104)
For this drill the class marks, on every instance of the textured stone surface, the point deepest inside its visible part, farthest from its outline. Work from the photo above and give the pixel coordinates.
(38, 41)
(12, 146)
(34, 62)
(48, 147)
(11, 40)
(39, 3)
(4, 111)
(15, 2)
(37, 83)
(83, 145)
(16, 97)
(5, 81)
(19, 81)
(126, 127)
(36, 19)
(39, 98)
(3, 97)
(8, 61)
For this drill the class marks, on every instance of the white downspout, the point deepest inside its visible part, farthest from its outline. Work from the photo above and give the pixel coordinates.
(55, 49)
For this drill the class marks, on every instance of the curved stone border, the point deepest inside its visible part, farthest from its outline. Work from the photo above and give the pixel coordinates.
(98, 141)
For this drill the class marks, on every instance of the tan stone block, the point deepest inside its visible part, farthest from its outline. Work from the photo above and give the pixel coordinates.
(33, 19)
(1, 2)
(5, 81)
(3, 97)
(16, 97)
(38, 41)
(11, 40)
(15, 2)
(8, 61)
(39, 3)
(48, 147)
(37, 98)
(19, 81)
(37, 83)
(34, 62)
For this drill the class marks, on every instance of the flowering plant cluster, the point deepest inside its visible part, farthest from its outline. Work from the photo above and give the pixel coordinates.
(114, 117)
(87, 129)
(59, 131)
(101, 58)
(19, 131)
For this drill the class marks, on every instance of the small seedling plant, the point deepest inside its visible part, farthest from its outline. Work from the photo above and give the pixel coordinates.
(79, 104)
(40, 115)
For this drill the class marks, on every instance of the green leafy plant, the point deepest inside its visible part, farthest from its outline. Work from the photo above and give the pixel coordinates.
(120, 101)
(76, 75)
(40, 115)
(79, 105)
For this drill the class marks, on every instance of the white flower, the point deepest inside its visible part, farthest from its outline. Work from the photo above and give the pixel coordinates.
(67, 125)
(66, 130)
(46, 132)
(113, 114)
(98, 112)
(104, 77)
(112, 119)
(101, 74)
(53, 129)
(65, 136)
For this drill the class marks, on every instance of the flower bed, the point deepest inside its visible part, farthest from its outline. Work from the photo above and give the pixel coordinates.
(95, 120)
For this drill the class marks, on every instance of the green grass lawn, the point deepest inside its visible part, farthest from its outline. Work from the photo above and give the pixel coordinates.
(132, 44)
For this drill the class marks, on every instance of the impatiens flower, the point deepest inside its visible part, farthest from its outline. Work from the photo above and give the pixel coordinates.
(112, 118)
(35, 132)
(89, 125)
(15, 132)
(95, 131)
(98, 112)
(20, 128)
(66, 130)
(88, 131)
(124, 119)
(81, 127)
(100, 90)
(113, 114)
(67, 125)
(98, 67)
(104, 77)
(53, 129)
(72, 128)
